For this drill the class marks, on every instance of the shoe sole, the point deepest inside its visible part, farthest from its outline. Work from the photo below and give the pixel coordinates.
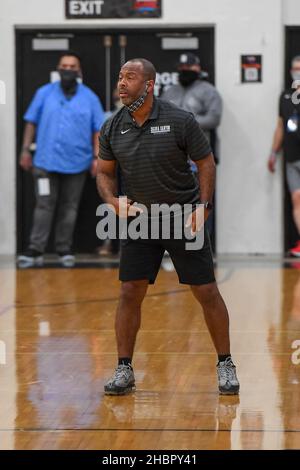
(24, 263)
(127, 391)
(296, 255)
(67, 261)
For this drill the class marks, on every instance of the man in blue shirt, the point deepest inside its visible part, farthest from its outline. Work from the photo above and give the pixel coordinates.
(66, 117)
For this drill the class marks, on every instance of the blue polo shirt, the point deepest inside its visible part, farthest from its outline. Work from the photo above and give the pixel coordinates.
(65, 127)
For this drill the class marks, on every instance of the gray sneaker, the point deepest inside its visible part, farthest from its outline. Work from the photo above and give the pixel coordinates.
(67, 260)
(228, 381)
(29, 259)
(122, 382)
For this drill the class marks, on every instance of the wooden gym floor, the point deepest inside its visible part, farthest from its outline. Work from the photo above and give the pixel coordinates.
(57, 348)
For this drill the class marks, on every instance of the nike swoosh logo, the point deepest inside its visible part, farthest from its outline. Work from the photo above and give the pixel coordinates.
(125, 132)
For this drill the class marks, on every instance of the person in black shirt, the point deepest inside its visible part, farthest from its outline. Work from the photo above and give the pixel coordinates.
(152, 140)
(287, 138)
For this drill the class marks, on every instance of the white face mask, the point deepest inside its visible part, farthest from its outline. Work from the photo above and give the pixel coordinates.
(295, 75)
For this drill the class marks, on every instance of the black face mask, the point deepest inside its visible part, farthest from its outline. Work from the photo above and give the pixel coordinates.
(68, 81)
(187, 77)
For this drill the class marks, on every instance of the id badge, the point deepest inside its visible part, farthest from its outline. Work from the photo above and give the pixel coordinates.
(44, 187)
(292, 124)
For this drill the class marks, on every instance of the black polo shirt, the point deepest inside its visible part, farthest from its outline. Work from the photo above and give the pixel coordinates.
(291, 140)
(154, 157)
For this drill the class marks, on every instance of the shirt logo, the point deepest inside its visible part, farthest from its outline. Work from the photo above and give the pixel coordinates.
(125, 132)
(160, 129)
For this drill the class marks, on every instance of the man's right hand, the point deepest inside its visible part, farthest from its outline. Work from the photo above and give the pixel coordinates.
(26, 160)
(272, 163)
(124, 207)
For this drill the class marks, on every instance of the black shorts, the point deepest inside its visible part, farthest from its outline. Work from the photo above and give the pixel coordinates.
(141, 259)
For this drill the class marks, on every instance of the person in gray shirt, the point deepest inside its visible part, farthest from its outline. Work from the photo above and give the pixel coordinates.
(195, 94)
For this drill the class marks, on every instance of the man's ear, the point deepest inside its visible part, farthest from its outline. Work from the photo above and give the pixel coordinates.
(148, 83)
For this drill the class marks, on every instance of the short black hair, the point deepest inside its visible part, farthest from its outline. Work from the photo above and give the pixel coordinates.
(148, 68)
(70, 54)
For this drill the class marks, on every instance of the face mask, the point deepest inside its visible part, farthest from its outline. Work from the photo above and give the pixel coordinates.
(187, 77)
(296, 75)
(68, 80)
(133, 107)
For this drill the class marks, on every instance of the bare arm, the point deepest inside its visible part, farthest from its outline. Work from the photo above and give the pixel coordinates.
(95, 143)
(107, 180)
(29, 133)
(108, 189)
(277, 144)
(207, 177)
(25, 156)
(278, 136)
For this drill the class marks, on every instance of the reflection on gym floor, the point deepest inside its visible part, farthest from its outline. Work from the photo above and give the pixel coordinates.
(58, 348)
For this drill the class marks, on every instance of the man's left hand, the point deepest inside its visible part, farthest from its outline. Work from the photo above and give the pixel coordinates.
(197, 219)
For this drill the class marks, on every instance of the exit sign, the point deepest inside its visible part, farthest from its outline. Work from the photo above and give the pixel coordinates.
(91, 9)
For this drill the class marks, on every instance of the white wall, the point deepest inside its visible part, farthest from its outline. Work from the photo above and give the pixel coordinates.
(249, 199)
(291, 12)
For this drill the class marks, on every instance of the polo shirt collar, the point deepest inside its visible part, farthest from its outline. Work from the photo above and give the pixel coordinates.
(154, 112)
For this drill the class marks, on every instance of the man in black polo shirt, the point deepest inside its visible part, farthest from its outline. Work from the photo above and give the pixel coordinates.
(152, 139)
(287, 137)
